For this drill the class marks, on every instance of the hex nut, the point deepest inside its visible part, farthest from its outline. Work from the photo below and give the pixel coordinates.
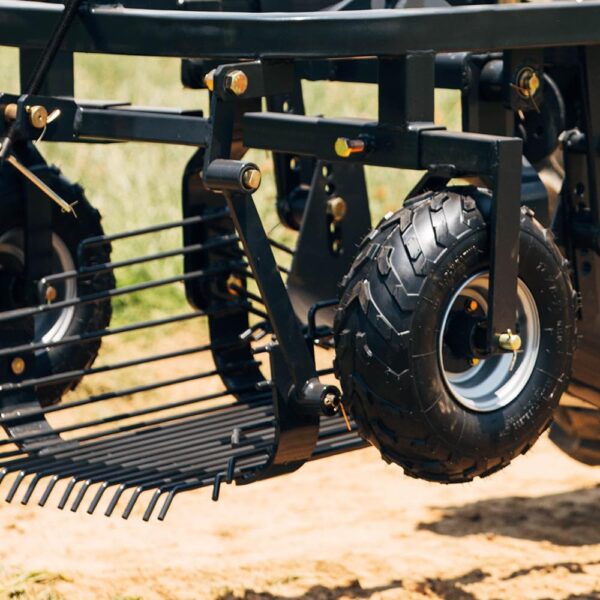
(236, 82)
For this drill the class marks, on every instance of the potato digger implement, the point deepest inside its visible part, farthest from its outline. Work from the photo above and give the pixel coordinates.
(450, 336)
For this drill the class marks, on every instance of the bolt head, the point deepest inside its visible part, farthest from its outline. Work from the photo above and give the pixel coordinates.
(38, 116)
(17, 365)
(251, 179)
(209, 81)
(234, 281)
(51, 294)
(472, 306)
(236, 82)
(337, 208)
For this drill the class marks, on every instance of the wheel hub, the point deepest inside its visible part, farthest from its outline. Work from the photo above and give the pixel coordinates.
(481, 382)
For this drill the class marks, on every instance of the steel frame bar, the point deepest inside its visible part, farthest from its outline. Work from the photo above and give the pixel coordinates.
(276, 35)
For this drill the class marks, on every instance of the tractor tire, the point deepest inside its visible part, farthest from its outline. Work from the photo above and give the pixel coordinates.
(403, 324)
(70, 322)
(576, 431)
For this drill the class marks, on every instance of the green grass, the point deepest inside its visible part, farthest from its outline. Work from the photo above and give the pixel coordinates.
(135, 185)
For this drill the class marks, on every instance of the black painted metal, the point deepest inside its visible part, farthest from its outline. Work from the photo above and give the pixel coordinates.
(324, 34)
(248, 427)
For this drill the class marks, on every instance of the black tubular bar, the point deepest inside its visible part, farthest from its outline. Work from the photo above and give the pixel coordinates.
(113, 293)
(138, 425)
(14, 416)
(107, 239)
(95, 335)
(330, 34)
(84, 271)
(124, 415)
(70, 375)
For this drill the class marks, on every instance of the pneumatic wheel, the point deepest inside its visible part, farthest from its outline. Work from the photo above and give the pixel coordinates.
(407, 330)
(57, 327)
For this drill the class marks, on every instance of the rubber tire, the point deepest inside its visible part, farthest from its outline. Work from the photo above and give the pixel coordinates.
(88, 317)
(387, 327)
(576, 431)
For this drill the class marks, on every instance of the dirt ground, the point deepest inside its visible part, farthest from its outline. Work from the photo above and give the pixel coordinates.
(344, 528)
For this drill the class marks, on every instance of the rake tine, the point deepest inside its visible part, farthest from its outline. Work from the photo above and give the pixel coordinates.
(152, 504)
(136, 494)
(48, 490)
(3, 473)
(15, 486)
(65, 496)
(80, 494)
(167, 505)
(115, 499)
(96, 500)
(30, 488)
(217, 486)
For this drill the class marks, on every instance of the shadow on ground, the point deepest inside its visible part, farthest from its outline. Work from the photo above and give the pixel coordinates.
(568, 519)
(443, 588)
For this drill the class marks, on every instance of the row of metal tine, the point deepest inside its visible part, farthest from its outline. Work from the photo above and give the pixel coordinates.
(171, 447)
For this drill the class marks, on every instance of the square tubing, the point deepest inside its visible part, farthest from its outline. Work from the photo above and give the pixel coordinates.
(286, 327)
(504, 239)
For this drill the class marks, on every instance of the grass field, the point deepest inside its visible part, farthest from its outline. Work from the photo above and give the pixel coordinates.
(134, 185)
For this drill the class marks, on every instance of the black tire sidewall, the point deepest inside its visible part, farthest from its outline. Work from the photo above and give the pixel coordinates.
(87, 317)
(494, 432)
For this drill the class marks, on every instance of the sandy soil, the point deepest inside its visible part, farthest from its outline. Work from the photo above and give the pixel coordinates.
(343, 528)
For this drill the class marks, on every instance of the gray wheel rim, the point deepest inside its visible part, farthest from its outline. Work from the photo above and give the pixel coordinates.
(53, 325)
(497, 381)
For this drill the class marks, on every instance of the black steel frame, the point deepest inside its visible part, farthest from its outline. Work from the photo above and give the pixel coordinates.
(405, 52)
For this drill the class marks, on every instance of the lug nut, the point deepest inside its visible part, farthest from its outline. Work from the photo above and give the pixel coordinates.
(209, 81)
(234, 282)
(251, 179)
(471, 306)
(345, 147)
(236, 82)
(509, 341)
(17, 365)
(51, 294)
(38, 116)
(336, 207)
(474, 362)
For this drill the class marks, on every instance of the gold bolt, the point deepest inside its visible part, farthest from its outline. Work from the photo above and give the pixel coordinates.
(209, 81)
(10, 112)
(509, 341)
(472, 306)
(51, 294)
(345, 147)
(337, 208)
(17, 365)
(528, 82)
(251, 179)
(236, 82)
(38, 116)
(474, 362)
(233, 282)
